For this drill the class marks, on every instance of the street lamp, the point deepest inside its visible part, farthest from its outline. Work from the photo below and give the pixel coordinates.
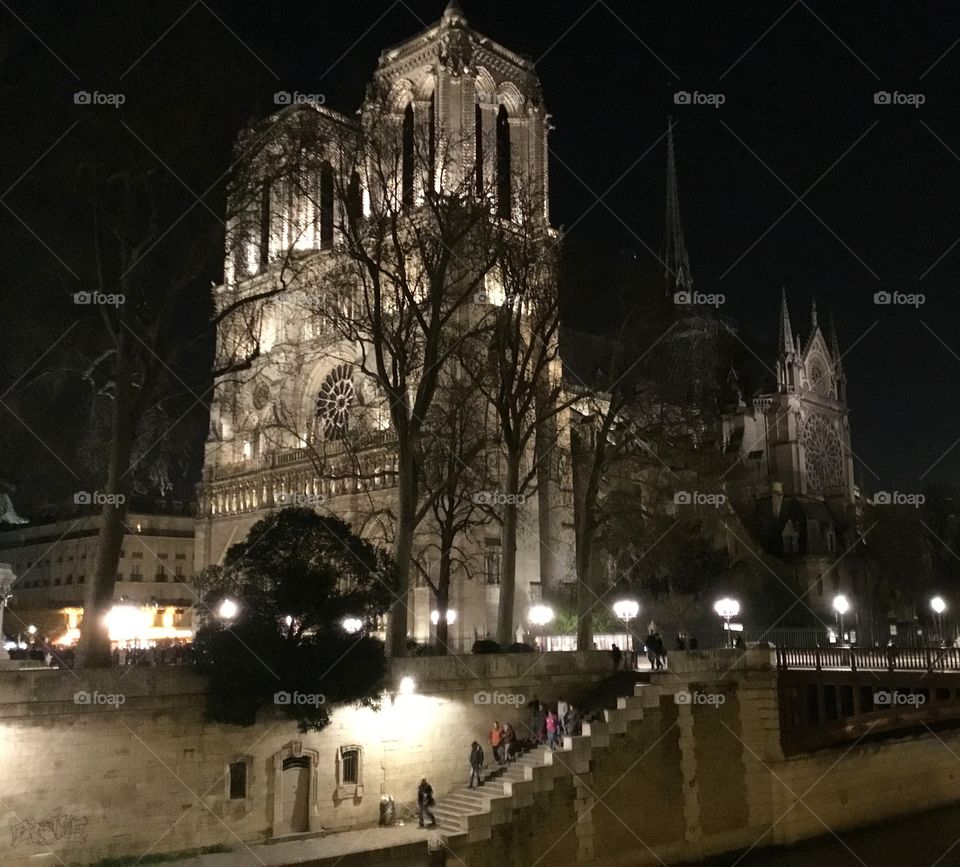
(626, 610)
(939, 606)
(351, 624)
(451, 616)
(540, 615)
(228, 609)
(841, 605)
(727, 608)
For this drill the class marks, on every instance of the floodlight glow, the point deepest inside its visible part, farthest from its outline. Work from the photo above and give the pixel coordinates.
(540, 615)
(228, 609)
(841, 605)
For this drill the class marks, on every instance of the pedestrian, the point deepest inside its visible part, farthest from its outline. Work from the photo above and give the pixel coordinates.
(551, 730)
(476, 765)
(508, 743)
(738, 643)
(571, 721)
(562, 707)
(659, 650)
(424, 803)
(496, 741)
(616, 654)
(681, 644)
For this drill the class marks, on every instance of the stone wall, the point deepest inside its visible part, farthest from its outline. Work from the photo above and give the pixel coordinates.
(137, 770)
(689, 767)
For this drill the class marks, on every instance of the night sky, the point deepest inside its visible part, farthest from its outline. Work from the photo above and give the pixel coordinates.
(880, 184)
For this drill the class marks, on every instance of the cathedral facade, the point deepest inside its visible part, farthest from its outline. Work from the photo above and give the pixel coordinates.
(301, 425)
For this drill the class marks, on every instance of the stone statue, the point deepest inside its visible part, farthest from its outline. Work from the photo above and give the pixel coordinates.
(8, 515)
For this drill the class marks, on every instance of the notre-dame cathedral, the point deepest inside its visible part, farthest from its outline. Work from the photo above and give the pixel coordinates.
(793, 488)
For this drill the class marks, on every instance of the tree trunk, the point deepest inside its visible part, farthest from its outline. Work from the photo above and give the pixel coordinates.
(585, 594)
(443, 598)
(403, 551)
(508, 554)
(93, 648)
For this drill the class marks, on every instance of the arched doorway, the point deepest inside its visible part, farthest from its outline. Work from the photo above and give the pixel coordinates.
(295, 788)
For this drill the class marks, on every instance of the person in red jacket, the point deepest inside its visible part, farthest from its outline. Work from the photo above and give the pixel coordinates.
(496, 738)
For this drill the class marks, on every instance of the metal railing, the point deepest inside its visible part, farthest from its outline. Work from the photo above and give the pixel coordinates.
(869, 658)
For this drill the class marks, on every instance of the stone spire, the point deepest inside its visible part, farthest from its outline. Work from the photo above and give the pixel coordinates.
(786, 332)
(813, 316)
(788, 351)
(676, 260)
(837, 360)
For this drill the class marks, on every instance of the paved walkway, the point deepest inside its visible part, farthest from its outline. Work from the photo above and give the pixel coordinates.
(334, 845)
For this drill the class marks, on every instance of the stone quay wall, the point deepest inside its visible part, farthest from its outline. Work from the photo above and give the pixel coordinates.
(121, 762)
(690, 766)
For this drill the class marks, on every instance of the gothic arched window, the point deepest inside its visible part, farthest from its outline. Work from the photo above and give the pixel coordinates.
(407, 154)
(504, 186)
(479, 149)
(354, 198)
(432, 143)
(326, 206)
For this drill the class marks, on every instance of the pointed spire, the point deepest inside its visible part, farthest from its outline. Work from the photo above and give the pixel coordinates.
(676, 260)
(786, 332)
(813, 316)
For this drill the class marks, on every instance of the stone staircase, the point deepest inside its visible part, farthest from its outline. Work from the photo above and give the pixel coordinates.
(468, 815)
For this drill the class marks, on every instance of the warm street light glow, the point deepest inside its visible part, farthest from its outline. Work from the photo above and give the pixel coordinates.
(841, 605)
(938, 605)
(540, 615)
(351, 624)
(435, 616)
(727, 608)
(407, 685)
(228, 609)
(32, 629)
(626, 609)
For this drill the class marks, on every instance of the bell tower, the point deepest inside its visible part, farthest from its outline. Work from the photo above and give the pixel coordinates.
(472, 110)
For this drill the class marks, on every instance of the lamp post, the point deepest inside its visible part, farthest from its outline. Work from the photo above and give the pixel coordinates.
(626, 610)
(435, 616)
(228, 609)
(939, 606)
(540, 615)
(841, 605)
(351, 624)
(727, 608)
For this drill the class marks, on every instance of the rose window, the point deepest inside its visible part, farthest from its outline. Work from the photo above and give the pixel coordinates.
(824, 452)
(336, 398)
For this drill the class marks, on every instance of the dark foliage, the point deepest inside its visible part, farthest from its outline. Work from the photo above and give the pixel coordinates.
(295, 579)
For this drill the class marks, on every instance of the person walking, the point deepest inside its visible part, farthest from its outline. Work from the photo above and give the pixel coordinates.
(508, 743)
(616, 654)
(562, 708)
(571, 721)
(496, 739)
(476, 765)
(551, 730)
(424, 803)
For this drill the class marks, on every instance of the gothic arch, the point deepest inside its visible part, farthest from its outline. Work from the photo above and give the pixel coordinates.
(509, 96)
(486, 87)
